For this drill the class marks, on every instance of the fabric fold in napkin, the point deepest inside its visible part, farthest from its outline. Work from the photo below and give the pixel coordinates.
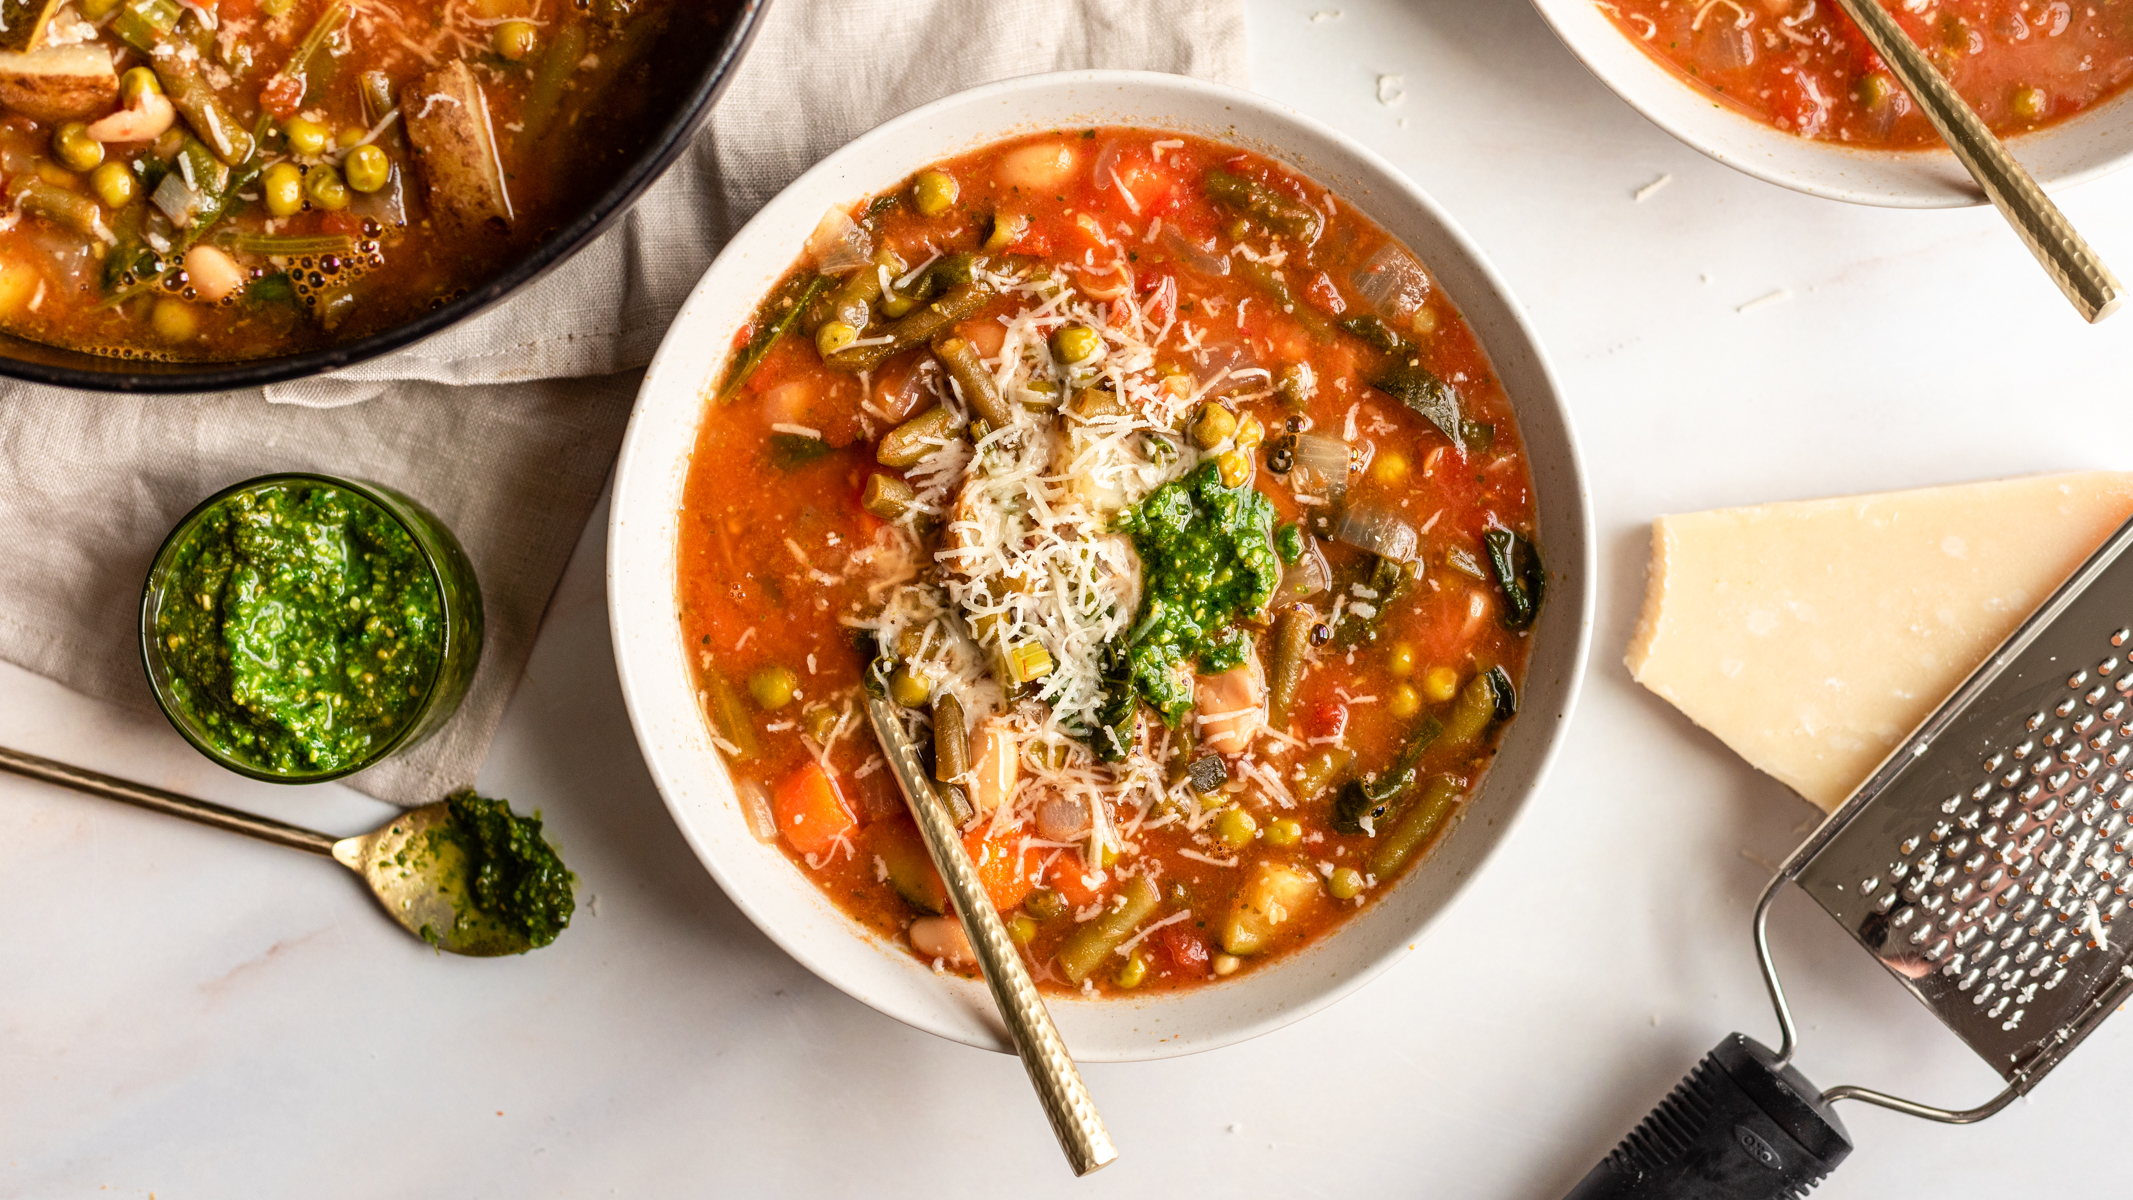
(506, 425)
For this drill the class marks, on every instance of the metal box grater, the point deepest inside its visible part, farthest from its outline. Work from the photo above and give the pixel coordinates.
(1984, 863)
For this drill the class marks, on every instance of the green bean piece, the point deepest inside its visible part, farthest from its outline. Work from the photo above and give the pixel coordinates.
(913, 440)
(1268, 279)
(287, 244)
(951, 740)
(1471, 713)
(376, 88)
(957, 304)
(1087, 947)
(1286, 661)
(934, 191)
(979, 390)
(1377, 334)
(1322, 769)
(767, 336)
(1371, 800)
(202, 109)
(1096, 404)
(143, 24)
(852, 302)
(730, 715)
(1263, 204)
(1417, 827)
(888, 497)
(1518, 573)
(70, 210)
(545, 97)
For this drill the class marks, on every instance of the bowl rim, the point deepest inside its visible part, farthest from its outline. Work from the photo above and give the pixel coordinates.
(545, 256)
(386, 500)
(1955, 190)
(640, 464)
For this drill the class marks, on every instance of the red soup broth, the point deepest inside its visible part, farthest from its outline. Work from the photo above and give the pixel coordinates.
(1802, 66)
(919, 477)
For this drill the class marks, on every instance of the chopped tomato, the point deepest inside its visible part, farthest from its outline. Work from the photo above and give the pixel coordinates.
(1187, 951)
(1329, 719)
(811, 811)
(1325, 294)
(1154, 191)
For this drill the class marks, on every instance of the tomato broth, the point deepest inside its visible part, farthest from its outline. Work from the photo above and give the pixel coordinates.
(1803, 67)
(1179, 510)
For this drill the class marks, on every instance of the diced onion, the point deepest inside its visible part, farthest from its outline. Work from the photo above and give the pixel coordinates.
(837, 245)
(1305, 577)
(1392, 282)
(1378, 530)
(755, 807)
(1326, 458)
(1194, 257)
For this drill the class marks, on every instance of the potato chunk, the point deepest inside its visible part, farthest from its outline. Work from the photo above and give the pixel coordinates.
(448, 122)
(1276, 893)
(59, 83)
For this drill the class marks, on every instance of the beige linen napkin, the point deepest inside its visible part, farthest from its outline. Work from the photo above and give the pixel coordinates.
(506, 425)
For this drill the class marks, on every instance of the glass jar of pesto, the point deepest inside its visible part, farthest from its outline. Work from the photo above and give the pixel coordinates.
(298, 628)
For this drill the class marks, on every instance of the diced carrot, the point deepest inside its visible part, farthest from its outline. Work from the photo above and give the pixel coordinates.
(1005, 874)
(1066, 877)
(811, 811)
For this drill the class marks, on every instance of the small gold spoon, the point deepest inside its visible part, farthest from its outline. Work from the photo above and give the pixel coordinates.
(419, 879)
(1075, 1121)
(2043, 228)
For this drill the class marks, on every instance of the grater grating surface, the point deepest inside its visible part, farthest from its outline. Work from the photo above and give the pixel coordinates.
(1985, 864)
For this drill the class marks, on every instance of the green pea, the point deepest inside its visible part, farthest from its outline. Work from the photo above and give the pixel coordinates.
(97, 10)
(73, 146)
(138, 82)
(514, 40)
(1076, 343)
(1211, 425)
(322, 184)
(908, 689)
(1346, 883)
(1022, 929)
(1401, 660)
(1285, 831)
(2029, 103)
(834, 336)
(1044, 904)
(306, 136)
(283, 186)
(934, 191)
(1404, 702)
(820, 722)
(174, 321)
(1134, 973)
(114, 184)
(1235, 828)
(367, 168)
(773, 687)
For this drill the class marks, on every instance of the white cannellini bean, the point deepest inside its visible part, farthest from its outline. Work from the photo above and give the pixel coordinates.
(1239, 694)
(150, 117)
(942, 938)
(213, 274)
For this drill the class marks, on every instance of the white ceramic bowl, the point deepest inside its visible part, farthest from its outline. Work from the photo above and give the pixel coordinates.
(2077, 150)
(654, 667)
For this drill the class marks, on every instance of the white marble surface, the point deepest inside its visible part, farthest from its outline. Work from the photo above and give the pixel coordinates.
(187, 1014)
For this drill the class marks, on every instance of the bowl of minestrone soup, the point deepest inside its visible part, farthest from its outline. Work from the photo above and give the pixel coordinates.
(1789, 92)
(199, 202)
(1194, 488)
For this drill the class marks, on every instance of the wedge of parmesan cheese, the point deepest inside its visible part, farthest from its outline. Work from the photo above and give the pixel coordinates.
(1812, 636)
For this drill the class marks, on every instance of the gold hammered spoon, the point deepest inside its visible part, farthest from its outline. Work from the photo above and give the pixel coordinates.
(419, 879)
(1073, 1114)
(2066, 257)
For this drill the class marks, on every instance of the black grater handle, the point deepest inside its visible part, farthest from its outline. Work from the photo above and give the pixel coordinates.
(1738, 1127)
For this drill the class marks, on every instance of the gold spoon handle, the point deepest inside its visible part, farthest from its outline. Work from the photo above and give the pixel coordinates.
(1073, 1114)
(142, 796)
(2043, 228)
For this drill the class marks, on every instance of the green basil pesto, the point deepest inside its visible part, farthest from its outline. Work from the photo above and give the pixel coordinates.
(1207, 559)
(514, 877)
(302, 627)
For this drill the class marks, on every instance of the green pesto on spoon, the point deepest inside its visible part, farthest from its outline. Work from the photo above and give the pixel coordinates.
(464, 874)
